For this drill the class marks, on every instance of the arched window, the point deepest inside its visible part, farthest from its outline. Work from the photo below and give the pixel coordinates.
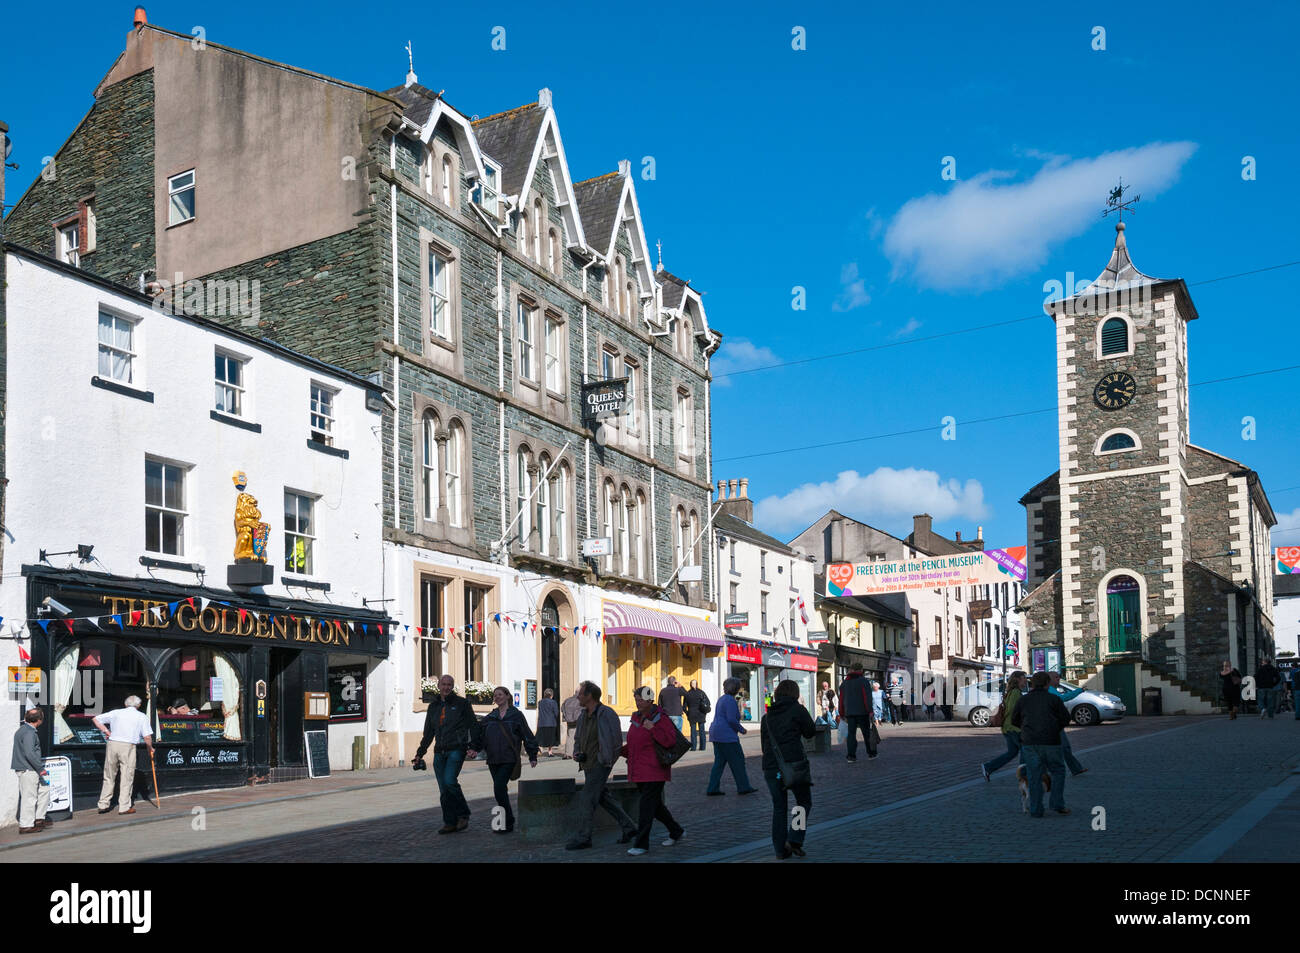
(560, 497)
(1123, 614)
(694, 542)
(638, 530)
(607, 288)
(630, 300)
(537, 230)
(679, 547)
(554, 246)
(525, 234)
(426, 171)
(429, 464)
(624, 533)
(1114, 337)
(609, 520)
(454, 465)
(543, 505)
(522, 493)
(1117, 441)
(617, 303)
(446, 179)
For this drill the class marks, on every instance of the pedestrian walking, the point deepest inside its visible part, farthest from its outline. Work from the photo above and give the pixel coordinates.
(671, 700)
(826, 703)
(725, 732)
(548, 722)
(454, 732)
(126, 728)
(570, 711)
(1266, 682)
(649, 726)
(33, 786)
(504, 730)
(599, 737)
(1010, 731)
(896, 700)
(697, 706)
(1064, 694)
(1231, 688)
(786, 768)
(856, 709)
(877, 702)
(1041, 717)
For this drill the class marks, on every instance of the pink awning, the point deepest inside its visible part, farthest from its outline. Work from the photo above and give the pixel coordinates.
(623, 619)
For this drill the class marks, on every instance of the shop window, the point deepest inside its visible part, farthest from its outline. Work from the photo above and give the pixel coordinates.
(612, 662)
(432, 592)
(299, 533)
(198, 697)
(119, 674)
(164, 508)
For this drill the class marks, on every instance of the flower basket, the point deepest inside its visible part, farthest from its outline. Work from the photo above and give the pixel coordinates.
(478, 693)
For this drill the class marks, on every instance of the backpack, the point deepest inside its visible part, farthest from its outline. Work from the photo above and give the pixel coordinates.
(705, 707)
(999, 715)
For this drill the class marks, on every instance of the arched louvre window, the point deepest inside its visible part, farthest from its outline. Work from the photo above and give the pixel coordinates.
(455, 491)
(429, 464)
(1114, 337)
(1117, 441)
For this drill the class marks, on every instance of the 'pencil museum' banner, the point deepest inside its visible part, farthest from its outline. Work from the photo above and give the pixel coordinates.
(1288, 560)
(927, 572)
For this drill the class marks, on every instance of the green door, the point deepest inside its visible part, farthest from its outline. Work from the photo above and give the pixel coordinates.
(1122, 626)
(1121, 680)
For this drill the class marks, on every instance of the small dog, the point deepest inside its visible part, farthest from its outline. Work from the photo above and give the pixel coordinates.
(1022, 781)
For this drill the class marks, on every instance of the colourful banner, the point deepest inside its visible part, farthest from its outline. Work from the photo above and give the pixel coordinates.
(1288, 560)
(927, 572)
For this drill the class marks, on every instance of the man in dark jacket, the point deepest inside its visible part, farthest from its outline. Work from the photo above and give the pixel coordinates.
(599, 738)
(697, 706)
(1041, 717)
(33, 788)
(451, 727)
(1266, 680)
(855, 709)
(670, 700)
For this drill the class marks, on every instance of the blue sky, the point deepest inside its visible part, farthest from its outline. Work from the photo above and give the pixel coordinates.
(821, 168)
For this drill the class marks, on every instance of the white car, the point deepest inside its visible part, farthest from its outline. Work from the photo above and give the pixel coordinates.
(978, 702)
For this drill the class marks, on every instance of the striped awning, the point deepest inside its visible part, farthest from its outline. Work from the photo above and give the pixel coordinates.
(623, 619)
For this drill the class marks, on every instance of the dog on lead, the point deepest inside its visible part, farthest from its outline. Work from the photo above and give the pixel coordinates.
(1022, 781)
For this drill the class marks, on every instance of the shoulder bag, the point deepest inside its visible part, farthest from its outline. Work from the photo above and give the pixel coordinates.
(668, 756)
(798, 773)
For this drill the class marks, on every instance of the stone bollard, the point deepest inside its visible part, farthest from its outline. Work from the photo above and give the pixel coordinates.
(359, 753)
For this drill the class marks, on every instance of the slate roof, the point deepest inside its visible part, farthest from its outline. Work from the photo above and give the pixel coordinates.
(1286, 585)
(674, 288)
(598, 207)
(1042, 488)
(417, 100)
(734, 526)
(865, 604)
(509, 138)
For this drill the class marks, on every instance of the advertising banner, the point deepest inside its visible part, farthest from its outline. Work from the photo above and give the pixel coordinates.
(1288, 560)
(927, 572)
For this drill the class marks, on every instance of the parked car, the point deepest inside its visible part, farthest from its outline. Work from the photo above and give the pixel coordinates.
(977, 703)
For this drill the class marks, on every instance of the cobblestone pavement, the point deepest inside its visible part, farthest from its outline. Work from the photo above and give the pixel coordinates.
(1164, 784)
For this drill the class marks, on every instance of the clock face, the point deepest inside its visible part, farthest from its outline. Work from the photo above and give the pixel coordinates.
(1114, 391)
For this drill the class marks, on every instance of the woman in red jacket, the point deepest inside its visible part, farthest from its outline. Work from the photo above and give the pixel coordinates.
(647, 726)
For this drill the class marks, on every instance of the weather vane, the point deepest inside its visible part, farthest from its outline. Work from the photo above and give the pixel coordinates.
(1117, 202)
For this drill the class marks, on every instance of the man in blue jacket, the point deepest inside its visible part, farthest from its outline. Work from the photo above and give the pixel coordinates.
(725, 732)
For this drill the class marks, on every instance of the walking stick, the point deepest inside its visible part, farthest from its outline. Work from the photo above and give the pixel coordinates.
(154, 768)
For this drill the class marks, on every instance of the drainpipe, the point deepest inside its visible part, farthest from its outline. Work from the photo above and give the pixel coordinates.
(397, 403)
(586, 357)
(501, 386)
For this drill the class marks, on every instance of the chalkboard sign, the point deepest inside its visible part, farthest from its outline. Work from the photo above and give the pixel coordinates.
(318, 753)
(347, 685)
(88, 736)
(210, 731)
(530, 693)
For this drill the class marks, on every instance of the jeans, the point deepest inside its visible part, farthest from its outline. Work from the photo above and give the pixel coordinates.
(1267, 701)
(501, 790)
(594, 794)
(729, 753)
(1012, 739)
(676, 720)
(784, 828)
(852, 724)
(651, 808)
(698, 734)
(1040, 760)
(1071, 761)
(446, 770)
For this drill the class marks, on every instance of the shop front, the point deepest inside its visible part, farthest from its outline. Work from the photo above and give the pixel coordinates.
(745, 662)
(223, 677)
(643, 646)
(874, 664)
(780, 665)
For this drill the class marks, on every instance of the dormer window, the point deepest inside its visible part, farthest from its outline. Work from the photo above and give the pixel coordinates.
(489, 189)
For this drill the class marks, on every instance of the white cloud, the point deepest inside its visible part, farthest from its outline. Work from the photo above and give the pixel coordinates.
(986, 230)
(737, 354)
(885, 497)
(911, 325)
(853, 291)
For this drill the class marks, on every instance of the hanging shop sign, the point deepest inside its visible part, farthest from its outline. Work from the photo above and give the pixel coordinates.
(980, 609)
(602, 399)
(735, 620)
(932, 572)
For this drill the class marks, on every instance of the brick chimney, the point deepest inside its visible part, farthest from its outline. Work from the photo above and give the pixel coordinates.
(140, 19)
(738, 504)
(922, 529)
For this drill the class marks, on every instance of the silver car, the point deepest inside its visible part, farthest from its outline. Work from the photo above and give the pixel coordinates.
(978, 702)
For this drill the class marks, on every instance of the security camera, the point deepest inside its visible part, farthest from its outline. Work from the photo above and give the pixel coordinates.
(53, 605)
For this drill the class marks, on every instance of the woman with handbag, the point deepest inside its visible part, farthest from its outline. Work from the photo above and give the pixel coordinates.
(786, 768)
(504, 730)
(652, 746)
(1231, 688)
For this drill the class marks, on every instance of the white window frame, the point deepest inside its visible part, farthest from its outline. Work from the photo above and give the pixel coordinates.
(453, 472)
(609, 361)
(685, 423)
(560, 497)
(555, 363)
(523, 493)
(429, 486)
(70, 251)
(610, 494)
(490, 188)
(162, 508)
(538, 218)
(1131, 338)
(322, 411)
(446, 167)
(624, 532)
(632, 371)
(525, 350)
(1137, 442)
(111, 349)
(236, 390)
(440, 299)
(638, 533)
(173, 191)
(296, 533)
(544, 512)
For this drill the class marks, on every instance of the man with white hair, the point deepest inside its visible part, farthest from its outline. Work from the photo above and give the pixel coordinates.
(129, 726)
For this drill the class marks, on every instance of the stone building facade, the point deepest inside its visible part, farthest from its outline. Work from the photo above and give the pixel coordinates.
(454, 261)
(1148, 555)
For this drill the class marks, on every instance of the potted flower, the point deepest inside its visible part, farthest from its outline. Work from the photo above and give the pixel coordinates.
(428, 689)
(478, 693)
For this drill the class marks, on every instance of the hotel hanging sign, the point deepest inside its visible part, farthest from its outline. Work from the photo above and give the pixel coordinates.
(602, 399)
(930, 572)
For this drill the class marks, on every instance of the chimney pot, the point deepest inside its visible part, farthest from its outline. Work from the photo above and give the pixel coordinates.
(722, 489)
(744, 488)
(544, 97)
(959, 536)
(735, 489)
(140, 17)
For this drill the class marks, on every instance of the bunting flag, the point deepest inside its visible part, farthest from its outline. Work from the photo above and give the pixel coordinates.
(136, 616)
(584, 630)
(480, 627)
(23, 655)
(496, 617)
(243, 614)
(157, 612)
(190, 600)
(44, 624)
(171, 607)
(68, 623)
(118, 619)
(365, 629)
(380, 627)
(204, 602)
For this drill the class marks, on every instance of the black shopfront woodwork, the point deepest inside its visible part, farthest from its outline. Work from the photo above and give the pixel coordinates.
(169, 643)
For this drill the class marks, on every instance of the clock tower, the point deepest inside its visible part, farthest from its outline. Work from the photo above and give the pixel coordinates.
(1121, 372)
